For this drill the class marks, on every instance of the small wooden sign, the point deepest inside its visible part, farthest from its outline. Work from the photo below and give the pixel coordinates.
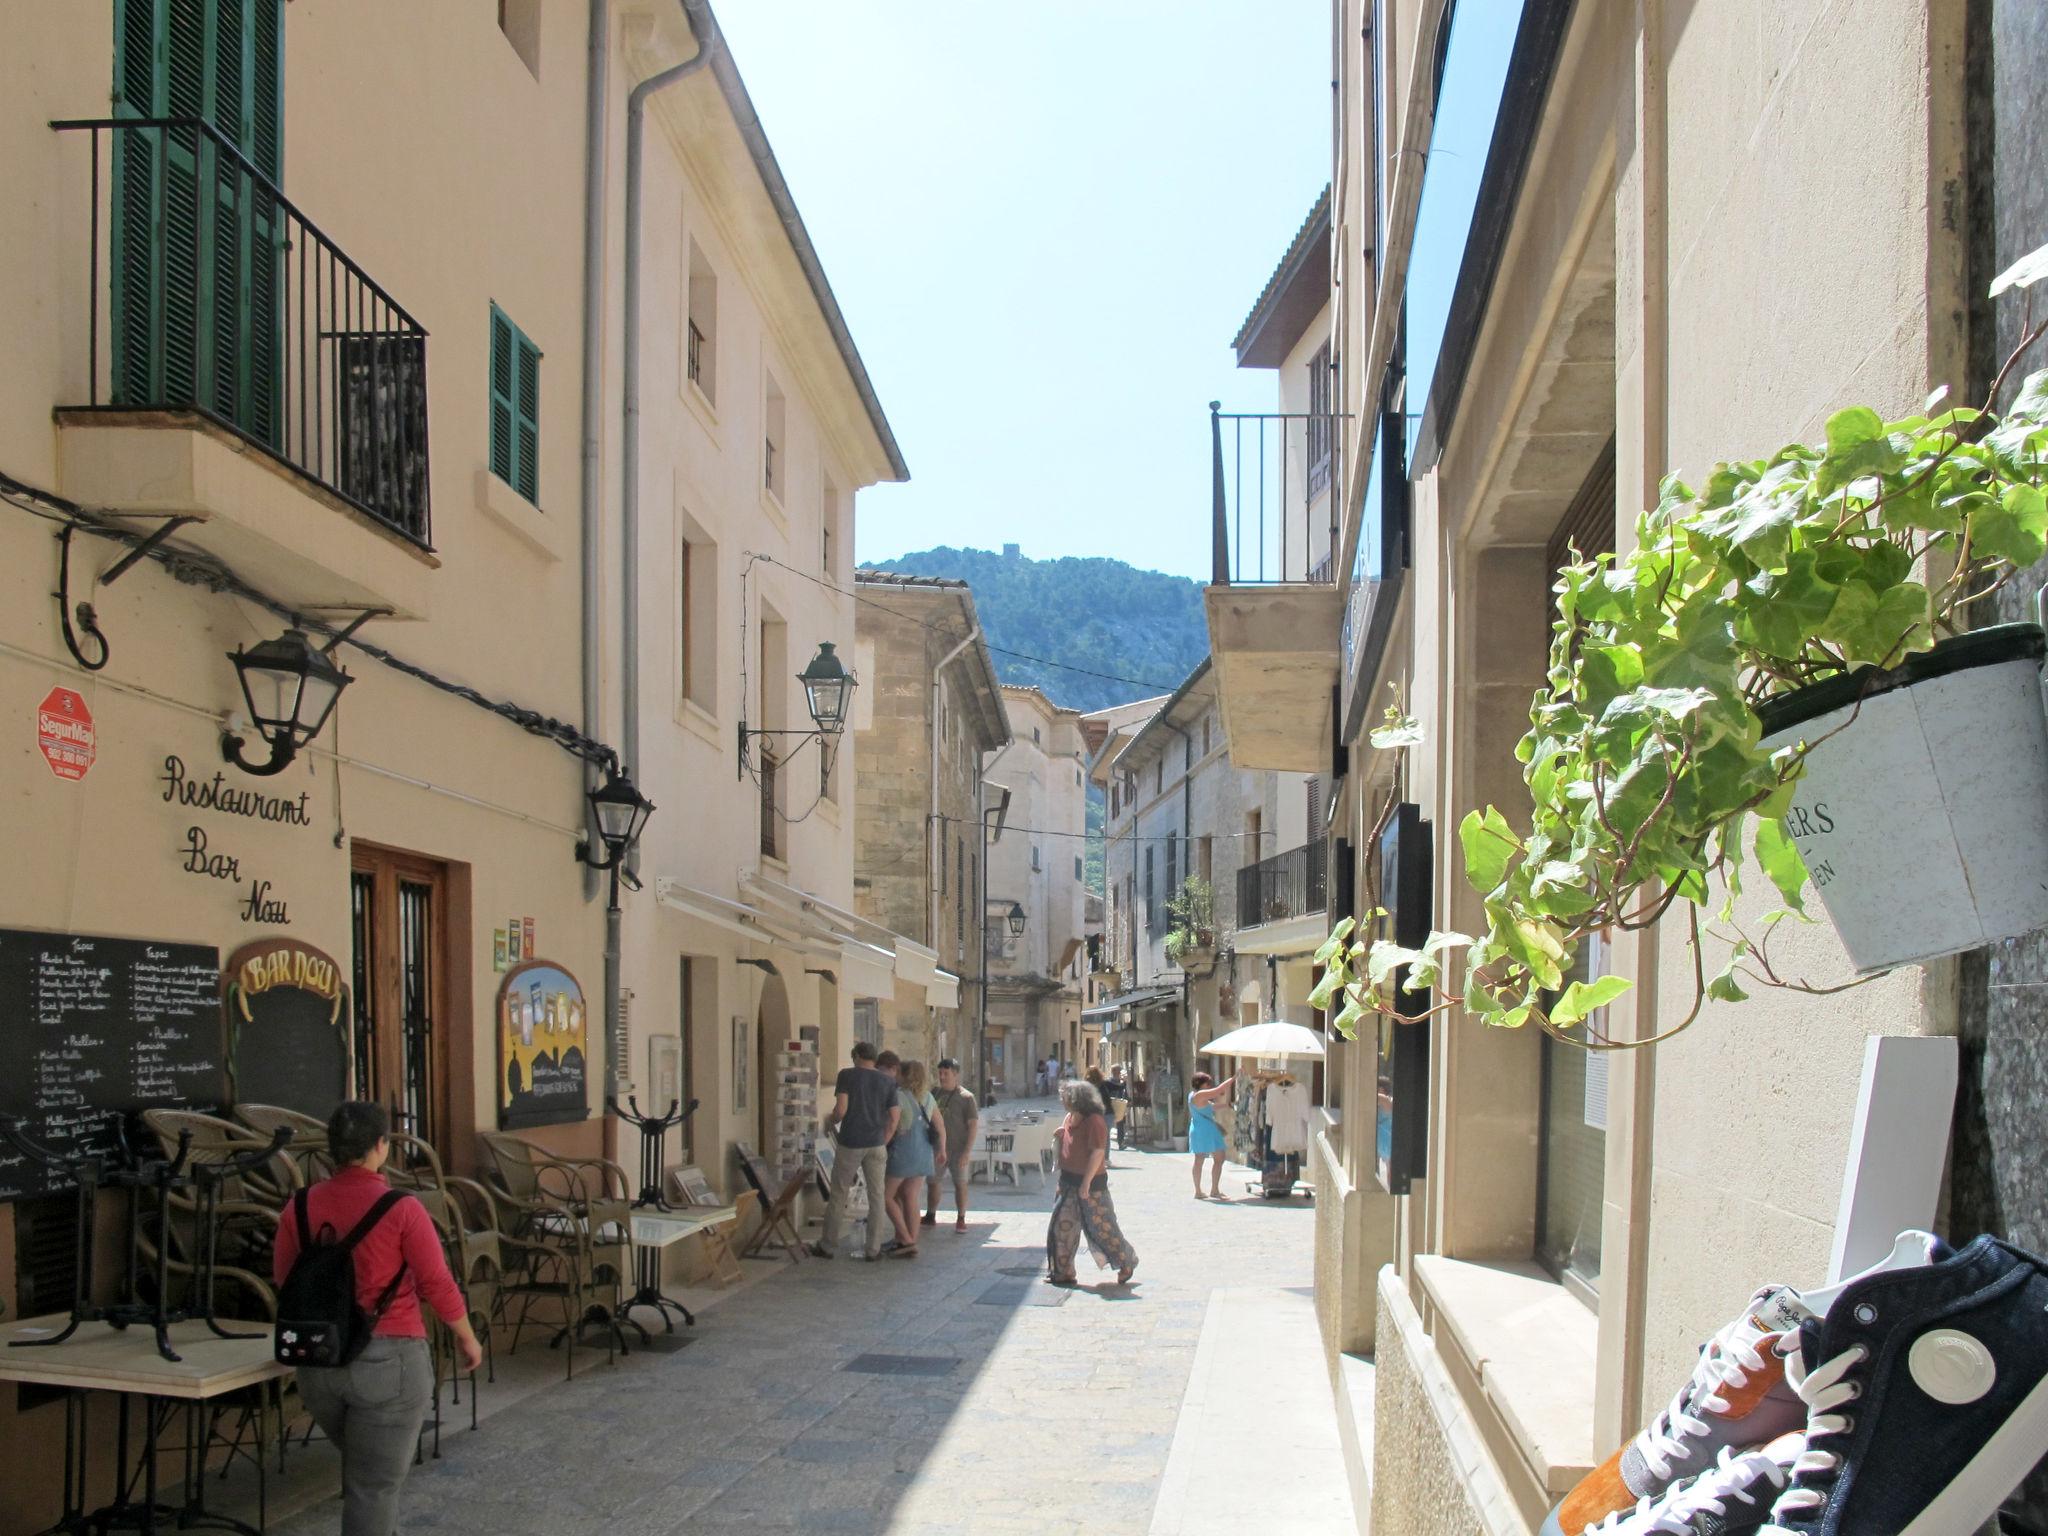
(543, 1047)
(287, 1027)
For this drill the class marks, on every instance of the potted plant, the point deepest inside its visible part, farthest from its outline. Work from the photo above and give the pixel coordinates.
(1191, 941)
(1780, 671)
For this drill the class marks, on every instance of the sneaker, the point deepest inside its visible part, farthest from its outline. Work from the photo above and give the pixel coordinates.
(1928, 1391)
(1737, 1398)
(1733, 1497)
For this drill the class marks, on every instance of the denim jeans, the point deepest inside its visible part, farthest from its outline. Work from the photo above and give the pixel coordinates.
(372, 1409)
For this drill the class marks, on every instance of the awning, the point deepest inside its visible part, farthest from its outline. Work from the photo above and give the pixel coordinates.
(733, 916)
(875, 958)
(1067, 953)
(1141, 997)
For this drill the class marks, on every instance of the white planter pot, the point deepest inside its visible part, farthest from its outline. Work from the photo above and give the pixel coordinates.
(1923, 810)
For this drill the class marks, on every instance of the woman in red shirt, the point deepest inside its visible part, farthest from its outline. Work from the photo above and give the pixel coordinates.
(1083, 1206)
(373, 1407)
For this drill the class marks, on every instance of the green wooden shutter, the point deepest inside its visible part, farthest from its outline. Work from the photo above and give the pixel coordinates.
(529, 421)
(503, 368)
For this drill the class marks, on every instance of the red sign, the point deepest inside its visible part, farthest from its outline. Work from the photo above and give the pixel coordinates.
(64, 731)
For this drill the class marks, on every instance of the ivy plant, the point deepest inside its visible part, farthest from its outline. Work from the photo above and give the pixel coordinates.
(1193, 910)
(1649, 785)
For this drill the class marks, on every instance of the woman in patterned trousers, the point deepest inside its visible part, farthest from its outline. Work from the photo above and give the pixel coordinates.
(1083, 1208)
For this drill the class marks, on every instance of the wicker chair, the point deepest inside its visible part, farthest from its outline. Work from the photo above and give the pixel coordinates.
(565, 1233)
(308, 1149)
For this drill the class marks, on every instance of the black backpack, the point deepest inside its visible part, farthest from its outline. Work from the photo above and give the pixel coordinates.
(318, 1320)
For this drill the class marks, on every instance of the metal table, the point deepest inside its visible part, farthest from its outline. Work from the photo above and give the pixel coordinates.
(101, 1358)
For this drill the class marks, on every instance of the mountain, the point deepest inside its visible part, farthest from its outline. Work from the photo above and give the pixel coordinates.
(1107, 632)
(1102, 632)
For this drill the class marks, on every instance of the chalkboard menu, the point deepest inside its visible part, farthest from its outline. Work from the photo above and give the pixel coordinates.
(91, 1025)
(288, 1044)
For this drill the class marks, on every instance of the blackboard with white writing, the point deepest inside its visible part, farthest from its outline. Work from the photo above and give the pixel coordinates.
(92, 1028)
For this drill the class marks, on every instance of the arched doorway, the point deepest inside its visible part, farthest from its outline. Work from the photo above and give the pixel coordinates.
(773, 1033)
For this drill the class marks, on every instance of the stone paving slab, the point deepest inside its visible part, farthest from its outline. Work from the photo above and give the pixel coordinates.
(1057, 1418)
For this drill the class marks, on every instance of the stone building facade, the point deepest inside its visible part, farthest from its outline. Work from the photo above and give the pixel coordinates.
(928, 716)
(1037, 865)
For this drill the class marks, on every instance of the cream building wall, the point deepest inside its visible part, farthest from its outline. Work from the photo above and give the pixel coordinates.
(1655, 207)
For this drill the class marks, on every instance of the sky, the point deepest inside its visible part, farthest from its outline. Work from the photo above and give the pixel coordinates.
(1045, 224)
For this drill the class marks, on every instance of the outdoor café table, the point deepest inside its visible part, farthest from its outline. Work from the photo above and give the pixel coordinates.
(655, 1229)
(102, 1358)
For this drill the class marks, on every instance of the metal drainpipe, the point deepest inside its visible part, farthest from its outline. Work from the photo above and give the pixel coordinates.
(593, 427)
(629, 497)
(629, 489)
(932, 835)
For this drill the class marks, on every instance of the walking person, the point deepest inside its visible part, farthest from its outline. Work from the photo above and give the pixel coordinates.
(961, 1117)
(862, 1121)
(1114, 1105)
(1205, 1136)
(372, 1407)
(915, 1151)
(1083, 1208)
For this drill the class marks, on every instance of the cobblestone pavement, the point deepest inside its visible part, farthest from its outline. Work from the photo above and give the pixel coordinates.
(1054, 1411)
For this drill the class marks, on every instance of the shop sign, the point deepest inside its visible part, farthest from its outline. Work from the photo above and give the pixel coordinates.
(200, 855)
(543, 1047)
(65, 734)
(286, 1035)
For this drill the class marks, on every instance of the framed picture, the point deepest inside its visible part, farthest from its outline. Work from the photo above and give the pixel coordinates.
(739, 1061)
(824, 1155)
(757, 1171)
(543, 1045)
(690, 1185)
(664, 1072)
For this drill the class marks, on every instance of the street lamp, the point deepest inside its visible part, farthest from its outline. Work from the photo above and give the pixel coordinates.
(828, 689)
(1016, 920)
(621, 812)
(291, 688)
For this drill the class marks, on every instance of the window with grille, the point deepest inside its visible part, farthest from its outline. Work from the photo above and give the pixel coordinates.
(515, 407)
(700, 327)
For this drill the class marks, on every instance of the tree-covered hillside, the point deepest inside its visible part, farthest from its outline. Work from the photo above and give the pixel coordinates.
(1118, 633)
(1101, 616)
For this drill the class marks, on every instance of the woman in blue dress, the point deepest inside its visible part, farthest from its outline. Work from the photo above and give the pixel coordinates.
(1205, 1136)
(919, 1147)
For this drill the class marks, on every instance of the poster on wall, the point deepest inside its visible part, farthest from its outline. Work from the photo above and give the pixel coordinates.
(287, 1027)
(543, 1047)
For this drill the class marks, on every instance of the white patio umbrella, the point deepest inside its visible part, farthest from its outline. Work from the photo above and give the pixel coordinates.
(1272, 1039)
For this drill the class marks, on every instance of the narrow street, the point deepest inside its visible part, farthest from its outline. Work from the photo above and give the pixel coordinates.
(1013, 1406)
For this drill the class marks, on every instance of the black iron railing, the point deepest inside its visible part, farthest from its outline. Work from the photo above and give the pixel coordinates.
(220, 298)
(1275, 511)
(696, 357)
(1290, 884)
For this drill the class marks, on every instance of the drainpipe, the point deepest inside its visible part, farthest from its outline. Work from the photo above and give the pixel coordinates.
(629, 497)
(932, 836)
(593, 427)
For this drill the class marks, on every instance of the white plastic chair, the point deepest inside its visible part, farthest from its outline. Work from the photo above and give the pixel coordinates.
(1027, 1148)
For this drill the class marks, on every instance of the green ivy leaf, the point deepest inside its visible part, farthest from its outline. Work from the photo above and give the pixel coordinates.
(1857, 446)
(1489, 844)
(2024, 273)
(1583, 998)
(2015, 528)
(1334, 944)
(1782, 861)
(1878, 626)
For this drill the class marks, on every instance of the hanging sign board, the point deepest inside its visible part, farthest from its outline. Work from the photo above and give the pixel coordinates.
(1401, 1100)
(94, 1028)
(65, 734)
(287, 1027)
(543, 1047)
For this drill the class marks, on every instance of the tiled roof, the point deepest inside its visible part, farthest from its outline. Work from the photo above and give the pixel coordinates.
(1313, 228)
(896, 579)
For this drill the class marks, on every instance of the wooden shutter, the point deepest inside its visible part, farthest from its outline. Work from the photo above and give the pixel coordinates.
(528, 448)
(503, 369)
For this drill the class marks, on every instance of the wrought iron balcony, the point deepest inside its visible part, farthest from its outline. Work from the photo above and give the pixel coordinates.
(221, 299)
(1273, 477)
(1290, 884)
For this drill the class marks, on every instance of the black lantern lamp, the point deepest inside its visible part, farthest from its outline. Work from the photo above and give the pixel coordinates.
(621, 812)
(291, 687)
(1016, 920)
(828, 689)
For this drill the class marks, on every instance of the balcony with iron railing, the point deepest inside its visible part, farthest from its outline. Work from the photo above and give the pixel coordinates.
(1281, 900)
(207, 301)
(1275, 605)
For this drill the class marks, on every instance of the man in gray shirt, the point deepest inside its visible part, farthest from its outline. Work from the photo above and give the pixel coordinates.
(863, 1123)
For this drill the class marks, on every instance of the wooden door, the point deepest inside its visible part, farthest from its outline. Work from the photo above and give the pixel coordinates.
(399, 903)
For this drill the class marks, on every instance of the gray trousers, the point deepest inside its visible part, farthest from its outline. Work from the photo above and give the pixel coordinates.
(873, 1162)
(372, 1409)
